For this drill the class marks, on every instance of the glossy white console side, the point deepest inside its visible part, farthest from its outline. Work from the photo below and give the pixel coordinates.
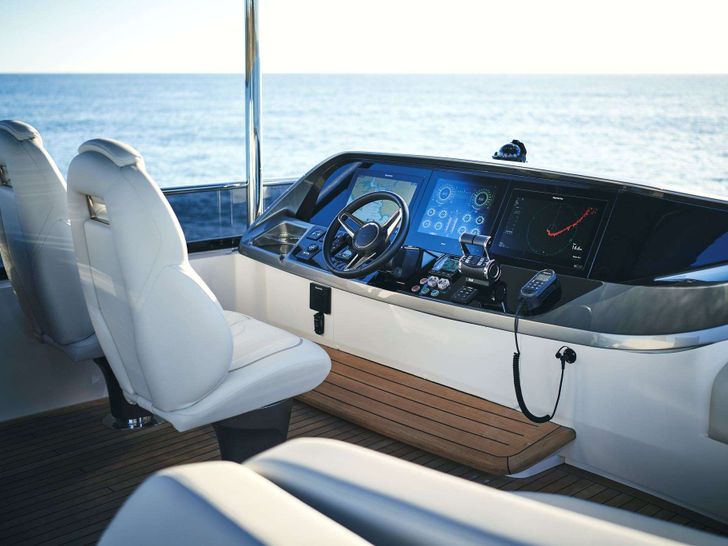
(639, 417)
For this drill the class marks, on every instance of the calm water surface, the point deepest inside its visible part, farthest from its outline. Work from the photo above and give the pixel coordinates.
(669, 131)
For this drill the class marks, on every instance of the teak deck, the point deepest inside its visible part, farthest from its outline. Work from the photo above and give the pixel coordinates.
(63, 475)
(438, 419)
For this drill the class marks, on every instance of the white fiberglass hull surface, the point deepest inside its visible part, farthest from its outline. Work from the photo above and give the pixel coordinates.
(641, 418)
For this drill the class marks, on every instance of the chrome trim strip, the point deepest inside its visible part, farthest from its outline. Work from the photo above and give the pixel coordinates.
(222, 186)
(252, 112)
(97, 210)
(718, 273)
(643, 344)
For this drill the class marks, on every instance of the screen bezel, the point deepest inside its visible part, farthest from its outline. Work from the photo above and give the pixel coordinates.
(439, 243)
(541, 261)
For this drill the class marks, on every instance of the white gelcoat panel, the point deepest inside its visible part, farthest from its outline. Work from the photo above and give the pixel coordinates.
(640, 418)
(217, 269)
(36, 377)
(278, 298)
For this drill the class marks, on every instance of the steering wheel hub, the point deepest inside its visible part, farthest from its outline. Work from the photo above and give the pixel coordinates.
(367, 236)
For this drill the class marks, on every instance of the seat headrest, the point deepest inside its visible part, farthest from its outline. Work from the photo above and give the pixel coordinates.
(122, 155)
(19, 129)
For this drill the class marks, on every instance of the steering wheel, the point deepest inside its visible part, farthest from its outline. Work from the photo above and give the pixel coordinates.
(369, 242)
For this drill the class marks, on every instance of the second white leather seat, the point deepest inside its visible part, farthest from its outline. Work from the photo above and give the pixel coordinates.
(173, 349)
(219, 503)
(36, 246)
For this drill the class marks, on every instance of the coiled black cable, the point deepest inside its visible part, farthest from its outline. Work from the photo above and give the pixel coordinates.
(562, 355)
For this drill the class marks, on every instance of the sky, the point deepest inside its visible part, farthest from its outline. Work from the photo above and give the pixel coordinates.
(367, 36)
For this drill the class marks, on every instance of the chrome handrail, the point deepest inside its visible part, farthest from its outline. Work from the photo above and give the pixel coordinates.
(252, 112)
(221, 186)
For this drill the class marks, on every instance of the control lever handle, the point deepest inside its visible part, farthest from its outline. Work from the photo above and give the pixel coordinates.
(481, 241)
(482, 269)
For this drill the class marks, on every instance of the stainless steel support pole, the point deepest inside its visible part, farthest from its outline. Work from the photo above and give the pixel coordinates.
(252, 112)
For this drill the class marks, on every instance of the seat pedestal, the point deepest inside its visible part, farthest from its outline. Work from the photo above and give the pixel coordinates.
(123, 414)
(248, 434)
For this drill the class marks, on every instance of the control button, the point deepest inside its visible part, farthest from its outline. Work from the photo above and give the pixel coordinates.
(465, 295)
(309, 252)
(425, 290)
(443, 284)
(423, 280)
(346, 254)
(316, 234)
(432, 281)
(416, 288)
(339, 242)
(435, 293)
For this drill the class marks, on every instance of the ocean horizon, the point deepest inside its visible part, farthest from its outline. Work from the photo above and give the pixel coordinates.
(661, 130)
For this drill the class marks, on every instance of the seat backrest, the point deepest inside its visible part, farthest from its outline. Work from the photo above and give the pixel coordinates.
(219, 503)
(161, 328)
(35, 237)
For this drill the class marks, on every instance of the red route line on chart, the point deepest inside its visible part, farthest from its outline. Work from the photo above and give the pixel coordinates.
(587, 212)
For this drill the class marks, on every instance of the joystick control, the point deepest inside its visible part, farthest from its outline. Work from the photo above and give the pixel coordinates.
(482, 270)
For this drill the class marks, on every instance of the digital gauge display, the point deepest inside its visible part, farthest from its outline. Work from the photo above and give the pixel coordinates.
(456, 207)
(549, 228)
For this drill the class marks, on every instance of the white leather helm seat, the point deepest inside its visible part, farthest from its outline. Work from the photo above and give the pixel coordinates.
(36, 246)
(173, 349)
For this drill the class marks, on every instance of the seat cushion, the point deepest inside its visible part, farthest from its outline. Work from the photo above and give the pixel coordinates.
(281, 374)
(218, 503)
(253, 339)
(389, 501)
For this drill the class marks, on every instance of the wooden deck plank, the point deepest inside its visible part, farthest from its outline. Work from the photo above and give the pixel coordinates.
(448, 422)
(418, 383)
(70, 497)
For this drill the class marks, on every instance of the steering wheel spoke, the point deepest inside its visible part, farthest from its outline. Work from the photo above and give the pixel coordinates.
(358, 260)
(345, 220)
(393, 223)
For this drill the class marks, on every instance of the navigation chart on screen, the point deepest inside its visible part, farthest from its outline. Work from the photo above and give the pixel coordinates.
(380, 211)
(557, 228)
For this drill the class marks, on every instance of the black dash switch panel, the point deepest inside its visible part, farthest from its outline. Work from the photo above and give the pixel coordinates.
(320, 299)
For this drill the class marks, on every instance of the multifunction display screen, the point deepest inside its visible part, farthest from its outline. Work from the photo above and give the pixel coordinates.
(380, 211)
(549, 228)
(456, 207)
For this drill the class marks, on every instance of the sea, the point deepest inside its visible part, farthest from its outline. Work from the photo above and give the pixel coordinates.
(664, 131)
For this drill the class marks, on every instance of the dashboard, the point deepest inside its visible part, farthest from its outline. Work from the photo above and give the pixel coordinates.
(531, 226)
(618, 248)
(600, 231)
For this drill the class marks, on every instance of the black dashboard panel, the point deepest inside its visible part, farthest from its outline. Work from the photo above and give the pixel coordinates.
(653, 236)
